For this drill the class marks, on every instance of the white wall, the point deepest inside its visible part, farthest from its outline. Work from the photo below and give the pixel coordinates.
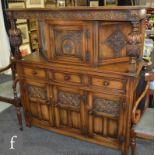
(4, 43)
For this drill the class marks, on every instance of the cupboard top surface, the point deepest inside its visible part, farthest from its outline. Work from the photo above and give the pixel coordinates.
(120, 68)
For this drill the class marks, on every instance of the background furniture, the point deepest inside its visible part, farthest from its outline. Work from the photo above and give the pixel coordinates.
(82, 83)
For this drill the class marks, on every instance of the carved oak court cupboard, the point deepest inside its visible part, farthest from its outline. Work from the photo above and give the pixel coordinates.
(82, 83)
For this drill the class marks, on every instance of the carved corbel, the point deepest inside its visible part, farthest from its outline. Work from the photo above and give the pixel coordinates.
(134, 46)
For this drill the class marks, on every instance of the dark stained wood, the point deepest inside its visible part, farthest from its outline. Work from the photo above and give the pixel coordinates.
(83, 81)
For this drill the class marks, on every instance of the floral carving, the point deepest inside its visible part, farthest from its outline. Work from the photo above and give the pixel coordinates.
(106, 106)
(69, 99)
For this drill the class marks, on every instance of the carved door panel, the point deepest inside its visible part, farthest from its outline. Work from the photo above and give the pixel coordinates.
(39, 107)
(69, 108)
(68, 41)
(106, 118)
(112, 40)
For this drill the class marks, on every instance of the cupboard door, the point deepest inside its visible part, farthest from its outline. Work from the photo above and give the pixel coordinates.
(69, 42)
(38, 106)
(112, 44)
(69, 108)
(106, 118)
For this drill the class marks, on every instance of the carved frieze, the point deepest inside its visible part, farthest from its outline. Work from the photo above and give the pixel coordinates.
(81, 14)
(69, 99)
(116, 41)
(72, 14)
(37, 92)
(106, 106)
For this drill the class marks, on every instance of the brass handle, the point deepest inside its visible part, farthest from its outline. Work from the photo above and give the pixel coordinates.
(106, 83)
(67, 77)
(34, 72)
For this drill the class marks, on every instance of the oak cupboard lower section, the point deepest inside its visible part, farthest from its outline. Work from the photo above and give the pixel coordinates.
(92, 116)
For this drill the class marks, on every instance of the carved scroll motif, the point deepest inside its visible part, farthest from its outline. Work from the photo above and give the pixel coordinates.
(107, 106)
(69, 99)
(116, 41)
(37, 92)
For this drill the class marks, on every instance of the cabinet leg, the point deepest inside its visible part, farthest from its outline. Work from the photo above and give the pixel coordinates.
(19, 116)
(27, 119)
(133, 142)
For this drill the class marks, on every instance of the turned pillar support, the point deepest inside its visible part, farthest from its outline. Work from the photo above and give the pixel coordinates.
(15, 41)
(134, 46)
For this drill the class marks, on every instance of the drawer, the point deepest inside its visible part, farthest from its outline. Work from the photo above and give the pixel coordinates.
(108, 83)
(34, 72)
(67, 77)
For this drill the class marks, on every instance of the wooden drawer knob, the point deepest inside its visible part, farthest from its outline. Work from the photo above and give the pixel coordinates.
(106, 83)
(34, 72)
(67, 77)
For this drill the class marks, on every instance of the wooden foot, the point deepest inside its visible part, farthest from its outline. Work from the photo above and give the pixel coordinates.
(133, 142)
(27, 119)
(19, 116)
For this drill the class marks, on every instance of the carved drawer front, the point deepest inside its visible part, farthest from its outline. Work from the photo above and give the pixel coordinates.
(34, 72)
(69, 108)
(39, 102)
(103, 83)
(112, 44)
(67, 77)
(68, 41)
(106, 118)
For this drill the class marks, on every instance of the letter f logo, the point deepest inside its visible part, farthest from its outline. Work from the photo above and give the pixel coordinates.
(12, 142)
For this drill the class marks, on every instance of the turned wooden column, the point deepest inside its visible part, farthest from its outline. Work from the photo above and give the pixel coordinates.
(134, 45)
(15, 41)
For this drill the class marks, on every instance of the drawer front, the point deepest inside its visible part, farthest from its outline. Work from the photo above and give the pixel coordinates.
(67, 77)
(34, 72)
(109, 83)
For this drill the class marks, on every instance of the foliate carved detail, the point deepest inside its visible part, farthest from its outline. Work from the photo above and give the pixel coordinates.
(69, 99)
(68, 42)
(117, 40)
(37, 92)
(107, 106)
